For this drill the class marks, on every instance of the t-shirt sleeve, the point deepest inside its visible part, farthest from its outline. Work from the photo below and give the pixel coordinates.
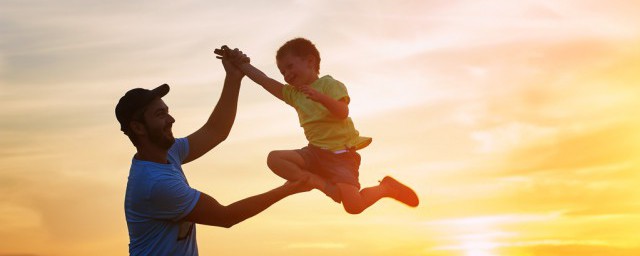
(172, 199)
(287, 94)
(337, 90)
(179, 150)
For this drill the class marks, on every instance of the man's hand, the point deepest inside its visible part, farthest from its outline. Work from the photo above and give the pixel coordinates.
(241, 61)
(298, 186)
(236, 56)
(231, 59)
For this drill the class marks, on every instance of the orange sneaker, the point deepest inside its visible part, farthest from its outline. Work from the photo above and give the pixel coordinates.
(400, 191)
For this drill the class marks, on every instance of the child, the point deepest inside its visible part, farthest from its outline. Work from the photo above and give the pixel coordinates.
(330, 160)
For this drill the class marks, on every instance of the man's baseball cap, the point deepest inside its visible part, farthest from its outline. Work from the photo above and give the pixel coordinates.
(134, 100)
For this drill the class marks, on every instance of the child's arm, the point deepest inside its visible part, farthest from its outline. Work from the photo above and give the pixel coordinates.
(339, 108)
(241, 61)
(272, 86)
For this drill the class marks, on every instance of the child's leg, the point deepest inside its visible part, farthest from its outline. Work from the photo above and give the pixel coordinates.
(289, 165)
(354, 201)
(286, 164)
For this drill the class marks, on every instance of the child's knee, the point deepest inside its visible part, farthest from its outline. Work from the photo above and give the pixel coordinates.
(351, 199)
(352, 204)
(273, 157)
(353, 207)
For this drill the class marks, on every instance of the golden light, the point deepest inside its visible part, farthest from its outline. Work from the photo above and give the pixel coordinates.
(479, 253)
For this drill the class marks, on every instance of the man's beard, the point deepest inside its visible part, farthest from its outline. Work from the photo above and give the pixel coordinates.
(157, 137)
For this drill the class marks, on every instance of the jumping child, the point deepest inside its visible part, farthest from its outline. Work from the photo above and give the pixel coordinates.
(330, 159)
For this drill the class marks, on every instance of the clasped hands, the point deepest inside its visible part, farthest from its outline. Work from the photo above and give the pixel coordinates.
(235, 56)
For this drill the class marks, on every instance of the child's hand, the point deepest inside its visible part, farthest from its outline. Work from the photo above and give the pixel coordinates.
(237, 57)
(311, 93)
(226, 55)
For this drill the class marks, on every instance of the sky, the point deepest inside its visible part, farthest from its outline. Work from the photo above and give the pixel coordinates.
(515, 121)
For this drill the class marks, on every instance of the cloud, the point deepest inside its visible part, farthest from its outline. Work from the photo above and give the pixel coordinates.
(577, 248)
(545, 247)
(494, 219)
(612, 144)
(318, 245)
(16, 217)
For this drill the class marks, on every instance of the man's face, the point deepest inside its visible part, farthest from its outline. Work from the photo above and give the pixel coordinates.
(158, 124)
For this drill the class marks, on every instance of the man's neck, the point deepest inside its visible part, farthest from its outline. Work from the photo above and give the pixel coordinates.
(152, 155)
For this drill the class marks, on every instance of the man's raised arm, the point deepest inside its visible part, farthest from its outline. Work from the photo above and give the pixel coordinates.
(219, 124)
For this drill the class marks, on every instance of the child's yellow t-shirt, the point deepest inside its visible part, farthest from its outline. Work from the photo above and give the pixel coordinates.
(321, 128)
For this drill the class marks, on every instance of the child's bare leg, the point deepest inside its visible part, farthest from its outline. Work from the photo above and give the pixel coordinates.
(356, 201)
(288, 164)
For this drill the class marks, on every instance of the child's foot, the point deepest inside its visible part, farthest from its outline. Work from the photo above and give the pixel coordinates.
(400, 192)
(332, 191)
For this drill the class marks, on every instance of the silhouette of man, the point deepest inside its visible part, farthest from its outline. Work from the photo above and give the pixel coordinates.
(160, 206)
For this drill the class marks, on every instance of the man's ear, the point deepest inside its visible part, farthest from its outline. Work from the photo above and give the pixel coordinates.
(137, 128)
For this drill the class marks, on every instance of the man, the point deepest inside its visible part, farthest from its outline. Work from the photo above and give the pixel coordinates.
(160, 206)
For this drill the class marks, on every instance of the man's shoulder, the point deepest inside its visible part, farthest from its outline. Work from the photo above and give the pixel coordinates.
(179, 143)
(145, 177)
(178, 151)
(149, 171)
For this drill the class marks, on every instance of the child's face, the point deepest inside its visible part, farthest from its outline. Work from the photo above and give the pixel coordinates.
(296, 70)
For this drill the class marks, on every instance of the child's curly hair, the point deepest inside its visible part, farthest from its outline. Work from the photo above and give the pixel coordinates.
(300, 47)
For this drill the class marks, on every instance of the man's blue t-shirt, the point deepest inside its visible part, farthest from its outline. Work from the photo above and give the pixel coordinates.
(158, 197)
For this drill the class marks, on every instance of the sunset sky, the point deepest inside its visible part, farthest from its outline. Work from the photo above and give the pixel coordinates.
(517, 122)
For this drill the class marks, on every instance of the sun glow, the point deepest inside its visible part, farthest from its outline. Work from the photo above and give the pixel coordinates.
(515, 121)
(479, 252)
